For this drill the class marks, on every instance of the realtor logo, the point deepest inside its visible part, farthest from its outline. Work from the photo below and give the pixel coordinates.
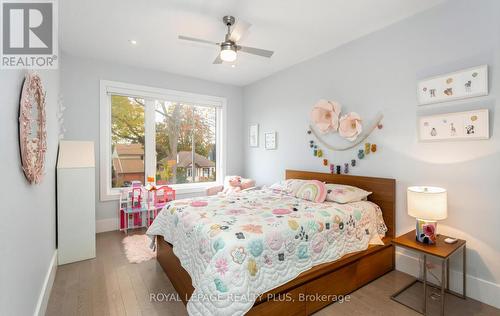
(29, 34)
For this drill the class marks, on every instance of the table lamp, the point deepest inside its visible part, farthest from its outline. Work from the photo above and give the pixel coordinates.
(427, 205)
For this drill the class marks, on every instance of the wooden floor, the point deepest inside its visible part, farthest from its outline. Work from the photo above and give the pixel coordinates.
(109, 285)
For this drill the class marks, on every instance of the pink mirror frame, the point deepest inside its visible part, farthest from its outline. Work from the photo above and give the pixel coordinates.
(32, 147)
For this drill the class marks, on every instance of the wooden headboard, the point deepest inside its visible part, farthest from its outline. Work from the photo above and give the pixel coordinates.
(383, 191)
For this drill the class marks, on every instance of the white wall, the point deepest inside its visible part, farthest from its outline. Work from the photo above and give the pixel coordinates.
(27, 228)
(80, 90)
(379, 72)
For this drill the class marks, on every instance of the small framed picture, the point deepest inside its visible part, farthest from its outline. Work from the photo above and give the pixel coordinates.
(270, 140)
(253, 135)
(468, 125)
(466, 83)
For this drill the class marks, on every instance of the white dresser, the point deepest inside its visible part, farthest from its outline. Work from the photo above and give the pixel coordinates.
(75, 201)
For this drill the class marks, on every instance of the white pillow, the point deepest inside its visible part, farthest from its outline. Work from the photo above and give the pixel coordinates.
(290, 186)
(341, 193)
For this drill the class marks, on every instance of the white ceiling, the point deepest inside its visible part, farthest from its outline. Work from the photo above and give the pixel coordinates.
(295, 29)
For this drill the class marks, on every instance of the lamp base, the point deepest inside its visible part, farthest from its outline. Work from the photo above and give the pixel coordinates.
(426, 231)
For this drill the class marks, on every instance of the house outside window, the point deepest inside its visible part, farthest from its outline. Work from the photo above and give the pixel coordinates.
(175, 137)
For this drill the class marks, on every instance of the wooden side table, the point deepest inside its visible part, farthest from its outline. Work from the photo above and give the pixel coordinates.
(440, 250)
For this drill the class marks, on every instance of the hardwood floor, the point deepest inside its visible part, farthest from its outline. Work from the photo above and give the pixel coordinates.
(110, 285)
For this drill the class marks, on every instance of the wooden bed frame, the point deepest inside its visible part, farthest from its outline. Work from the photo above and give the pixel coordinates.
(332, 279)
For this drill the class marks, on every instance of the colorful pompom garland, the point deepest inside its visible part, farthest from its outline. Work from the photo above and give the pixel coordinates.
(338, 168)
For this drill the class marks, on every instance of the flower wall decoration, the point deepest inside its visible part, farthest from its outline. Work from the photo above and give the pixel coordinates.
(32, 130)
(325, 119)
(325, 116)
(350, 126)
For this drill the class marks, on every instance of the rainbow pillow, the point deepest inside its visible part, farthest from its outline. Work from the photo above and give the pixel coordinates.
(312, 190)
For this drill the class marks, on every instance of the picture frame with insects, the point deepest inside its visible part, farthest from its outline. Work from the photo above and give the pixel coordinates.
(466, 83)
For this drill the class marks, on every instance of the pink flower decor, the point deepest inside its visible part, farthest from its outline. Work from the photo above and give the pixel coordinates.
(350, 126)
(281, 211)
(428, 230)
(199, 203)
(221, 266)
(251, 228)
(325, 116)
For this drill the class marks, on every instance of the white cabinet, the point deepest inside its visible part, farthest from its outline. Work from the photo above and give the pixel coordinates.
(75, 201)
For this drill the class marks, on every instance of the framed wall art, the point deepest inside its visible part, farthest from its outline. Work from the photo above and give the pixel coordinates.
(253, 135)
(470, 125)
(467, 83)
(270, 140)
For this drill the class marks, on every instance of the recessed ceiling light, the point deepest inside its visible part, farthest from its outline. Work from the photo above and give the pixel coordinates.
(133, 42)
(233, 66)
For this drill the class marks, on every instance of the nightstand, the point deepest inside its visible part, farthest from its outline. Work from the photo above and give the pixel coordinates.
(440, 250)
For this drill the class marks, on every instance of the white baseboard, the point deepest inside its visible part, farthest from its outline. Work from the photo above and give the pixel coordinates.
(106, 225)
(43, 299)
(478, 289)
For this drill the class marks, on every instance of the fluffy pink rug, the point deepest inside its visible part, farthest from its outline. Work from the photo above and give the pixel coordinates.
(137, 248)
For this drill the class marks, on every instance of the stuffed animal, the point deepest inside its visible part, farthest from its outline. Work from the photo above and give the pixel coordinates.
(232, 184)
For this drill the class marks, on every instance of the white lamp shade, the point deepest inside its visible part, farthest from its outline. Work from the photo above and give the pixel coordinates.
(427, 203)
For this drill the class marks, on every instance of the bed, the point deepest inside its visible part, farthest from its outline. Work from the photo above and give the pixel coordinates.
(234, 262)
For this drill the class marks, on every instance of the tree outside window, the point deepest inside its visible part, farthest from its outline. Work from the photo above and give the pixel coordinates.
(185, 141)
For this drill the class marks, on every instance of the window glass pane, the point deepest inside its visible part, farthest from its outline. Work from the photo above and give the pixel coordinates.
(205, 147)
(127, 140)
(180, 128)
(174, 123)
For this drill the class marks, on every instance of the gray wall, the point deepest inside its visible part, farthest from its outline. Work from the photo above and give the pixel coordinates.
(80, 90)
(379, 72)
(27, 228)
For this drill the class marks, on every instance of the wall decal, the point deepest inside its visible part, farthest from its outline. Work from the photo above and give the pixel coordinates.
(468, 125)
(467, 83)
(60, 117)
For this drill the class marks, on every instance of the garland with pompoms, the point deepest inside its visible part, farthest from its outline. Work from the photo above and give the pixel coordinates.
(337, 168)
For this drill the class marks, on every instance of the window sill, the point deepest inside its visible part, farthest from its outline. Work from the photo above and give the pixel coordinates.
(180, 189)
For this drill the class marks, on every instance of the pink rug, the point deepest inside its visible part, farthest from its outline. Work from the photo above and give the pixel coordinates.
(137, 248)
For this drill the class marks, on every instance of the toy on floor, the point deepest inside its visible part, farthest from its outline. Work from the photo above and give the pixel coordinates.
(139, 205)
(161, 196)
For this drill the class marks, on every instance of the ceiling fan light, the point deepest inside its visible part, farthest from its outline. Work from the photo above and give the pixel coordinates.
(228, 54)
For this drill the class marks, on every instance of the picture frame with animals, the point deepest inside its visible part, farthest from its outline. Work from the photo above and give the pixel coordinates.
(270, 140)
(470, 125)
(253, 135)
(466, 83)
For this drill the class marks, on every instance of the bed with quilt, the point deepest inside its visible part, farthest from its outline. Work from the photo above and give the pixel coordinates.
(237, 247)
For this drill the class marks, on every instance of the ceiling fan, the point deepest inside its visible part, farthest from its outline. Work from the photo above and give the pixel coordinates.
(229, 48)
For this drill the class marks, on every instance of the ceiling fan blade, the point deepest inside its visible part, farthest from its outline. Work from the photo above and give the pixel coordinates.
(217, 60)
(256, 51)
(238, 30)
(198, 40)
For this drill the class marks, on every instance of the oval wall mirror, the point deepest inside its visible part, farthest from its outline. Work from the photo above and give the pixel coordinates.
(32, 131)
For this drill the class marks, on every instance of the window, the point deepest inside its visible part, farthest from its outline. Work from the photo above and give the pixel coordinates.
(185, 142)
(173, 136)
(127, 140)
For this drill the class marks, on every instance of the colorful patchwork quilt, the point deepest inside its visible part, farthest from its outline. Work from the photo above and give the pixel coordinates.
(239, 246)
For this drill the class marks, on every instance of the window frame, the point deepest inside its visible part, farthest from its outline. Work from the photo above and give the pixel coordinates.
(107, 88)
